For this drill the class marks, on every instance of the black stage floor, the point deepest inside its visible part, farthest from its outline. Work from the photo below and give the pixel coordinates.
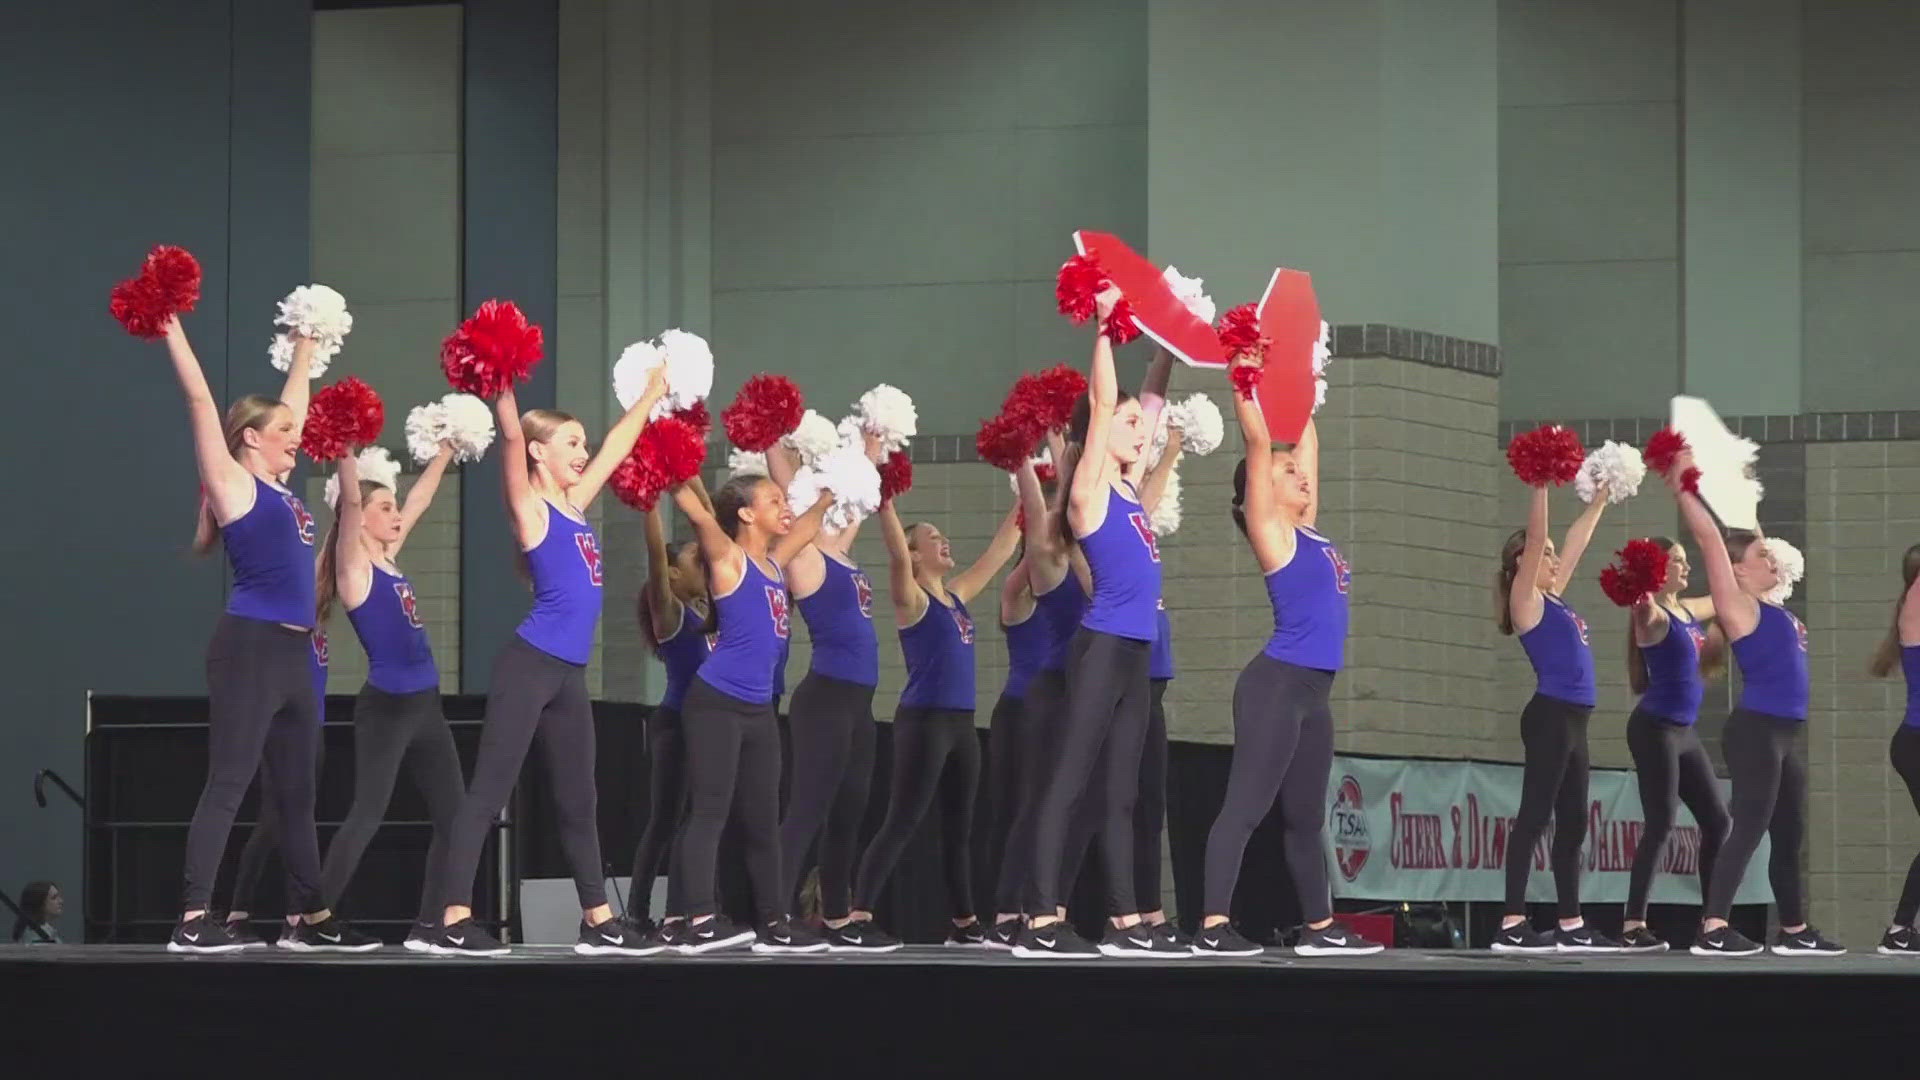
(936, 1012)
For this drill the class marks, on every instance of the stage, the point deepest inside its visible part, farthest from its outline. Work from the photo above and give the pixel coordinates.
(928, 1011)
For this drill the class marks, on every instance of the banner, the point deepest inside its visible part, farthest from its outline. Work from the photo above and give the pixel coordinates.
(1437, 830)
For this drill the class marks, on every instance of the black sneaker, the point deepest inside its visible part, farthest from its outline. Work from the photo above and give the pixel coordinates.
(670, 935)
(241, 930)
(1055, 941)
(465, 938)
(1725, 941)
(612, 938)
(1583, 939)
(1140, 942)
(1900, 941)
(1002, 936)
(202, 935)
(1522, 938)
(1175, 935)
(1223, 940)
(1641, 940)
(420, 936)
(970, 936)
(640, 925)
(711, 935)
(1334, 940)
(781, 936)
(1807, 942)
(333, 935)
(860, 937)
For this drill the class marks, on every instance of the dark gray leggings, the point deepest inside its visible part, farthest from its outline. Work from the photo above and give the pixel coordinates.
(936, 753)
(1149, 814)
(1672, 768)
(1769, 798)
(733, 767)
(830, 722)
(1553, 785)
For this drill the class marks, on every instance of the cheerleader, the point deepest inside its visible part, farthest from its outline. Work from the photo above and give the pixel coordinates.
(1901, 649)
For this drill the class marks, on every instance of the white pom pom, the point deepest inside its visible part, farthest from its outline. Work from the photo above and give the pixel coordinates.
(888, 413)
(1201, 428)
(851, 477)
(468, 425)
(1191, 291)
(746, 463)
(1618, 466)
(1323, 349)
(315, 311)
(1791, 566)
(631, 372)
(330, 494)
(689, 369)
(1319, 393)
(1165, 518)
(426, 426)
(376, 466)
(815, 438)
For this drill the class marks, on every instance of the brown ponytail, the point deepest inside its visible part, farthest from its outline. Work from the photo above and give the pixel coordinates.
(325, 588)
(1887, 656)
(1503, 581)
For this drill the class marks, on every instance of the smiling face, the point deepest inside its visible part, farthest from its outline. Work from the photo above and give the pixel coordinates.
(930, 550)
(562, 453)
(1679, 570)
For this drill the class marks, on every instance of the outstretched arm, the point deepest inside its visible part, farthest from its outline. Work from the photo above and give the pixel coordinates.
(352, 566)
(529, 519)
(1525, 605)
(1908, 620)
(619, 443)
(1153, 388)
(1736, 612)
(908, 601)
(725, 560)
(229, 487)
(968, 583)
(662, 609)
(420, 495)
(1579, 534)
(805, 528)
(297, 391)
(1086, 497)
(1267, 534)
(1306, 458)
(1013, 593)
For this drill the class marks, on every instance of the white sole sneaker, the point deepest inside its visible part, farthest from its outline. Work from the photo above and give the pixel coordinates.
(1782, 950)
(445, 950)
(1523, 950)
(1698, 950)
(774, 949)
(203, 950)
(704, 947)
(303, 947)
(414, 944)
(583, 949)
(1343, 950)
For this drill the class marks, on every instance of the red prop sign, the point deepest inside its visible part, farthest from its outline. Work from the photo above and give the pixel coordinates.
(1158, 313)
(1290, 320)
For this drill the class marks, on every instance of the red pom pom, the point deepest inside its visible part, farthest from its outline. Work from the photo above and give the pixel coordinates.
(340, 417)
(1079, 281)
(1640, 569)
(138, 305)
(1120, 327)
(1239, 332)
(491, 351)
(1045, 399)
(896, 475)
(1549, 454)
(669, 452)
(766, 408)
(1690, 481)
(1246, 379)
(1006, 441)
(696, 417)
(1666, 445)
(176, 273)
(1045, 472)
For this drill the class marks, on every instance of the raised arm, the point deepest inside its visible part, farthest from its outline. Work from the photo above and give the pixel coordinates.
(908, 600)
(420, 495)
(228, 486)
(782, 462)
(1086, 498)
(1579, 534)
(805, 528)
(1015, 594)
(297, 391)
(618, 444)
(516, 490)
(1306, 458)
(1153, 387)
(1155, 484)
(1736, 612)
(352, 566)
(662, 609)
(1272, 542)
(1525, 605)
(968, 583)
(725, 561)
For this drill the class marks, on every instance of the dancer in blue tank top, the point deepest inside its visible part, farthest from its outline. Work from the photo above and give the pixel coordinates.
(676, 621)
(1769, 781)
(1901, 650)
(397, 718)
(936, 752)
(1670, 653)
(1553, 726)
(732, 738)
(1282, 721)
(538, 684)
(261, 704)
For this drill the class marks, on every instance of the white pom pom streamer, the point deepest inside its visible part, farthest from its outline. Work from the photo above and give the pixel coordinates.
(376, 465)
(318, 312)
(1618, 466)
(814, 439)
(426, 426)
(1323, 349)
(1791, 565)
(689, 371)
(851, 477)
(631, 372)
(1044, 457)
(888, 413)
(468, 426)
(746, 463)
(1190, 291)
(1319, 393)
(1165, 518)
(1201, 428)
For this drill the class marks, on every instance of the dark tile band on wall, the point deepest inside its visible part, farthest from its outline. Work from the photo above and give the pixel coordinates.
(1418, 346)
(1801, 428)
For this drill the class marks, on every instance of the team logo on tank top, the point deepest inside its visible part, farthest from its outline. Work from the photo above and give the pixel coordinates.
(1799, 629)
(1342, 573)
(320, 646)
(302, 521)
(777, 607)
(963, 624)
(713, 640)
(1580, 625)
(1145, 530)
(589, 546)
(863, 592)
(1698, 635)
(408, 607)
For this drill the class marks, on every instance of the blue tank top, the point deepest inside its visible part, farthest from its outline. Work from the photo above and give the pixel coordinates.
(839, 616)
(318, 659)
(939, 653)
(566, 590)
(1061, 609)
(1160, 660)
(1309, 598)
(683, 653)
(270, 548)
(1562, 658)
(1027, 648)
(1910, 664)
(399, 659)
(753, 633)
(1124, 557)
(1773, 665)
(1674, 684)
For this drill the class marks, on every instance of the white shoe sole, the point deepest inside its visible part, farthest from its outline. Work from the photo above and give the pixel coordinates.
(964, 944)
(1884, 951)
(853, 949)
(303, 947)
(1025, 953)
(1195, 950)
(416, 945)
(765, 949)
(1342, 950)
(1119, 953)
(444, 950)
(1698, 951)
(1588, 950)
(716, 944)
(202, 950)
(1640, 949)
(1781, 950)
(1524, 950)
(584, 949)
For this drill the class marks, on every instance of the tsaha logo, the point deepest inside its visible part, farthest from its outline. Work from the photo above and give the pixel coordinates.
(1350, 841)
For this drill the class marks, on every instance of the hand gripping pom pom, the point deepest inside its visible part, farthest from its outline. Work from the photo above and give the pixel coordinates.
(168, 285)
(1791, 566)
(1190, 291)
(852, 479)
(1665, 445)
(1549, 454)
(1617, 466)
(317, 312)
(1005, 441)
(669, 452)
(426, 427)
(896, 475)
(1246, 379)
(469, 426)
(1046, 398)
(1239, 333)
(766, 408)
(376, 466)
(138, 305)
(491, 351)
(1079, 281)
(1641, 569)
(1200, 423)
(889, 413)
(1043, 471)
(1120, 327)
(814, 439)
(689, 373)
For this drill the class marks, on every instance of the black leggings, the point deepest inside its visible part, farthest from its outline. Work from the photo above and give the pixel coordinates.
(1905, 753)
(387, 730)
(1100, 741)
(1282, 750)
(1042, 713)
(264, 840)
(666, 809)
(1553, 785)
(935, 751)
(1149, 815)
(831, 730)
(1673, 768)
(262, 717)
(733, 766)
(531, 693)
(1769, 797)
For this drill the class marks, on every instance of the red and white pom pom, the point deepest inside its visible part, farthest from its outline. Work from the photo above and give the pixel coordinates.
(697, 417)
(889, 413)
(1549, 454)
(491, 351)
(376, 466)
(669, 452)
(1641, 569)
(766, 409)
(1005, 441)
(1789, 564)
(1079, 281)
(342, 416)
(168, 285)
(850, 475)
(1192, 292)
(689, 363)
(313, 311)
(1616, 466)
(896, 475)
(813, 439)
(1662, 449)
